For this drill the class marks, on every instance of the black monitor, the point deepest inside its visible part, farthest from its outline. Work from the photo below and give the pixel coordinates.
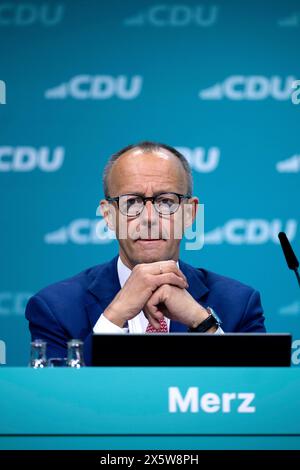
(192, 350)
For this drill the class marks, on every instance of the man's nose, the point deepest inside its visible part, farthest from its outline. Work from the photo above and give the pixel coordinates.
(149, 214)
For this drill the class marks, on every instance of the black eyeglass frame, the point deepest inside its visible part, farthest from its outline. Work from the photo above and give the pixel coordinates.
(145, 199)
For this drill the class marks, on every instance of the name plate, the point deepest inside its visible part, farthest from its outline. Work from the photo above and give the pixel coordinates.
(161, 405)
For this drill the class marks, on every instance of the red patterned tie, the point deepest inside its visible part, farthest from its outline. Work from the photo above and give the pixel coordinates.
(163, 327)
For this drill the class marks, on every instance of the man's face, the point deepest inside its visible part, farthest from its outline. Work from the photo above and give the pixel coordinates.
(149, 237)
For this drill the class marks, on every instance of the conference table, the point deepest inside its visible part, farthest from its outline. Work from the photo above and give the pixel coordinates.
(150, 408)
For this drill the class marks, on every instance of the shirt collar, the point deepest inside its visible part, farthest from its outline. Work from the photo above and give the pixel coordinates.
(123, 272)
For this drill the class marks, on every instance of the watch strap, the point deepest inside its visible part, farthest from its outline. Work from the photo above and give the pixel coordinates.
(205, 325)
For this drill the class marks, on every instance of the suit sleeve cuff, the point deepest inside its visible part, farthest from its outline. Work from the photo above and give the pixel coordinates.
(104, 325)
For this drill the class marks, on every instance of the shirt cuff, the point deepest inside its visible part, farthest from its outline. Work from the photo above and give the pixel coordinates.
(219, 331)
(104, 325)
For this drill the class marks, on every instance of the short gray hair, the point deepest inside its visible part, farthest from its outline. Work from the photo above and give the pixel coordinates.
(147, 146)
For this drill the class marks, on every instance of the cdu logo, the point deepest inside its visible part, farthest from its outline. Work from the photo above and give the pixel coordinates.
(27, 14)
(26, 159)
(251, 88)
(250, 232)
(292, 309)
(13, 303)
(2, 92)
(291, 21)
(2, 352)
(289, 165)
(177, 16)
(200, 159)
(81, 232)
(97, 87)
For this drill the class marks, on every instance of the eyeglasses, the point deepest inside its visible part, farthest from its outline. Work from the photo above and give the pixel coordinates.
(132, 205)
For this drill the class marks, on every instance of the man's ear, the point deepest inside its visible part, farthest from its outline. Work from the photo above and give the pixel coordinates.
(108, 211)
(190, 211)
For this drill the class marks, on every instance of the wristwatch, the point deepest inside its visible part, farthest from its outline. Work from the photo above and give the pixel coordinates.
(208, 323)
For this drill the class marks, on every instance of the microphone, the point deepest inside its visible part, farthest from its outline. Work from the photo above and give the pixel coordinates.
(289, 254)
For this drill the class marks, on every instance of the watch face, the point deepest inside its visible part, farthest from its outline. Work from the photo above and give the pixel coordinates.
(213, 313)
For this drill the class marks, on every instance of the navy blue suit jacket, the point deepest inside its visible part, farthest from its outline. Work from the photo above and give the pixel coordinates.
(70, 308)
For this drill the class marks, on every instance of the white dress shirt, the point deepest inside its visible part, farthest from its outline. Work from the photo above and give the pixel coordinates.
(138, 324)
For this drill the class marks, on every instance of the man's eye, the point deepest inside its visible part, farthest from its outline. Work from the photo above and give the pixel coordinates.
(132, 201)
(166, 201)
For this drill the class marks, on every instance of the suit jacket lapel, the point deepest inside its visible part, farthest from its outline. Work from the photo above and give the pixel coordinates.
(104, 286)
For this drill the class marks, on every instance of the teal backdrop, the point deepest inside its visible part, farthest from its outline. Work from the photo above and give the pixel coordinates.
(85, 78)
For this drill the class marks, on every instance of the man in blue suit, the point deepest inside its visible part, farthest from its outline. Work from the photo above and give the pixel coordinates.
(146, 288)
